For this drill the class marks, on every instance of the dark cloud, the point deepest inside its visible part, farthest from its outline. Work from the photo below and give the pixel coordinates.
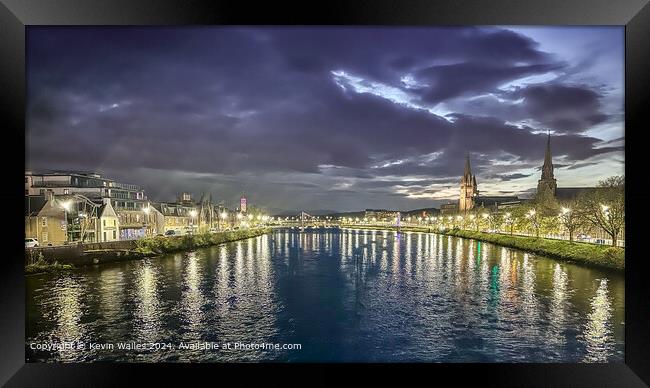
(563, 108)
(448, 81)
(227, 109)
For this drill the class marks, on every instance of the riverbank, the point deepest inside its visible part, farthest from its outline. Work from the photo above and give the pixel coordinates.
(601, 256)
(143, 248)
(159, 244)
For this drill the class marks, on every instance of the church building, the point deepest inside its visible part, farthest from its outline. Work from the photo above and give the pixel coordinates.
(469, 194)
(547, 185)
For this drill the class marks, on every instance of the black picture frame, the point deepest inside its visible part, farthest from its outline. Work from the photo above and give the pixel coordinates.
(15, 15)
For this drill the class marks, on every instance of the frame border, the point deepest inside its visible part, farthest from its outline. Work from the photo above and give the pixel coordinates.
(15, 15)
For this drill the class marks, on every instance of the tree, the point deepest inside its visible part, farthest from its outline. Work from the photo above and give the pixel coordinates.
(549, 224)
(533, 218)
(545, 204)
(493, 218)
(519, 219)
(571, 217)
(604, 207)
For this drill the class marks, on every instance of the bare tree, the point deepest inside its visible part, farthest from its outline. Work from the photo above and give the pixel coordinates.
(604, 207)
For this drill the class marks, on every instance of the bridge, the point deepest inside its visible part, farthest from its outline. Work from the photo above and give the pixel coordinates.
(304, 219)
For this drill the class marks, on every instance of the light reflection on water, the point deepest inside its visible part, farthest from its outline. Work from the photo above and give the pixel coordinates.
(349, 295)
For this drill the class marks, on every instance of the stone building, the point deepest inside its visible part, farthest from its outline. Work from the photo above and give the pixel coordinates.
(547, 185)
(468, 188)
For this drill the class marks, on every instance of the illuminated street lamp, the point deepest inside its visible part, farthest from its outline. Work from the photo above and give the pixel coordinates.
(222, 216)
(66, 205)
(193, 214)
(146, 211)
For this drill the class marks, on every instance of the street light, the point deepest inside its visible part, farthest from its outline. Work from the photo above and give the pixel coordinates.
(66, 205)
(193, 214)
(146, 211)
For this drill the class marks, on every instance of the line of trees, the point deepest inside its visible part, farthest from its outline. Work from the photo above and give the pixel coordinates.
(602, 208)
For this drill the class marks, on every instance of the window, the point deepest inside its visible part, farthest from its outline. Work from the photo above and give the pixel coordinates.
(104, 236)
(43, 221)
(26, 180)
(113, 221)
(66, 191)
(104, 225)
(114, 235)
(26, 192)
(44, 237)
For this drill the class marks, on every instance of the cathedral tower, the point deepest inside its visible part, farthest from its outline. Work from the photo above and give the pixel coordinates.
(547, 184)
(468, 188)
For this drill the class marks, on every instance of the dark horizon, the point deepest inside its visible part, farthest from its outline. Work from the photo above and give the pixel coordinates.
(339, 119)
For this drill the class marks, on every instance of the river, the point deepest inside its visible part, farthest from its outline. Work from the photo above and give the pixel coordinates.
(330, 295)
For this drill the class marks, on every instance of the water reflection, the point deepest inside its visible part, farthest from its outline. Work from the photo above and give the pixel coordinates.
(348, 295)
(558, 310)
(147, 305)
(598, 331)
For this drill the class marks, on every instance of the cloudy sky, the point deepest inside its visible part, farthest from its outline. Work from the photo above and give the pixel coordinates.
(327, 118)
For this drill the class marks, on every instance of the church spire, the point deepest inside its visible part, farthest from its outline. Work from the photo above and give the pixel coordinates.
(547, 168)
(468, 169)
(468, 189)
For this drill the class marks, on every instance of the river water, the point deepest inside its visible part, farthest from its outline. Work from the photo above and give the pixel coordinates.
(330, 295)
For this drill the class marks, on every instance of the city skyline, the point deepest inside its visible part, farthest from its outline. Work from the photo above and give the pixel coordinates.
(346, 118)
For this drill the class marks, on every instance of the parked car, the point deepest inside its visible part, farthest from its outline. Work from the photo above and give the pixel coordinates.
(170, 233)
(31, 243)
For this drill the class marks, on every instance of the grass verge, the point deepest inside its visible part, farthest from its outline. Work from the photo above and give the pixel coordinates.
(160, 244)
